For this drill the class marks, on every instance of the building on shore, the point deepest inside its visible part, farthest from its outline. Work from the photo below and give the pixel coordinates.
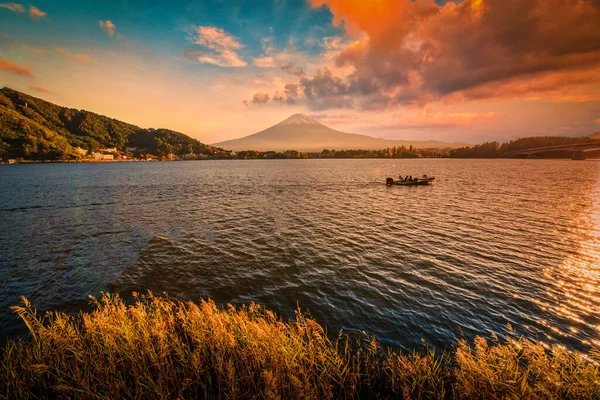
(102, 157)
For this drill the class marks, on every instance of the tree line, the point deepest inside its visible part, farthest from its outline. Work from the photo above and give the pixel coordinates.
(497, 150)
(390, 152)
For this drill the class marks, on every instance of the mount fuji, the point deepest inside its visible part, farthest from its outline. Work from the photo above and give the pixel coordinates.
(299, 132)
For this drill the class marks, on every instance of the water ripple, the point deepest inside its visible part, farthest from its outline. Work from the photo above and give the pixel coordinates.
(492, 242)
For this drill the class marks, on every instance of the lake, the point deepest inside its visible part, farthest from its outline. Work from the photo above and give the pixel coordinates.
(491, 243)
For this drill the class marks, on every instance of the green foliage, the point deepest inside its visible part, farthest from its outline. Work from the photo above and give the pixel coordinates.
(158, 348)
(399, 152)
(32, 128)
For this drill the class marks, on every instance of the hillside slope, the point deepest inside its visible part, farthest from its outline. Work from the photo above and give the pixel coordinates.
(302, 133)
(36, 129)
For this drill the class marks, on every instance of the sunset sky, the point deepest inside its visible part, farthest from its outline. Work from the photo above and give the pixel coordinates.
(467, 71)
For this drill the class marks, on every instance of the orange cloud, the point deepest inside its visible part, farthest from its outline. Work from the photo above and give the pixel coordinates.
(108, 27)
(14, 7)
(562, 86)
(414, 52)
(9, 66)
(264, 62)
(429, 117)
(260, 98)
(221, 48)
(36, 13)
(80, 58)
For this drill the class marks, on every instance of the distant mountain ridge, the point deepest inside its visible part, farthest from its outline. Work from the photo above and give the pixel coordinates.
(33, 128)
(302, 133)
(595, 135)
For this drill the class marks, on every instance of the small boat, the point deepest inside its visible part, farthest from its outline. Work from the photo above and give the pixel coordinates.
(414, 182)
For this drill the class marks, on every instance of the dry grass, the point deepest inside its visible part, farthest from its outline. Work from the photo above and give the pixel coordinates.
(158, 348)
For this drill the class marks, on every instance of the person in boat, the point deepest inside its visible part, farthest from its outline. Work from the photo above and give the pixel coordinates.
(410, 178)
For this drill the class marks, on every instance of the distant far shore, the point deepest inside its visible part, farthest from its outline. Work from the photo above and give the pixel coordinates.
(14, 162)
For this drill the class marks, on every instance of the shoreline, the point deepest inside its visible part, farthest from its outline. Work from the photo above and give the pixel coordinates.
(270, 159)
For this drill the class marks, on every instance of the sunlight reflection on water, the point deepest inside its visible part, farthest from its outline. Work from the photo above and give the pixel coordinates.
(577, 280)
(493, 242)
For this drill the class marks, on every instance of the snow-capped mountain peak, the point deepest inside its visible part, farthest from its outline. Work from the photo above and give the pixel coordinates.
(299, 119)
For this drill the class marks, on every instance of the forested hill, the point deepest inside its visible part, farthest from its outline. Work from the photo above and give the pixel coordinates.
(495, 149)
(32, 128)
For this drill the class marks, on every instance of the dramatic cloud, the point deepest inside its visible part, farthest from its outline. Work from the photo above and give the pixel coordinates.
(39, 89)
(324, 90)
(264, 62)
(561, 86)
(14, 7)
(260, 98)
(320, 91)
(36, 13)
(221, 48)
(291, 93)
(80, 58)
(415, 52)
(9, 66)
(108, 27)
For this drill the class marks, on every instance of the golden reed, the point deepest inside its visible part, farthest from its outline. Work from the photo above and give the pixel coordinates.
(159, 348)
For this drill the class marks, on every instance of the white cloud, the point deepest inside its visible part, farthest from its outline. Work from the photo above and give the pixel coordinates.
(264, 62)
(221, 48)
(14, 7)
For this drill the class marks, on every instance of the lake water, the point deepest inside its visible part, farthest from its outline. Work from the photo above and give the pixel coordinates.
(491, 243)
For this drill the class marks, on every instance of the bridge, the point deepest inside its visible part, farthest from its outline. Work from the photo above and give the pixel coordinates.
(577, 151)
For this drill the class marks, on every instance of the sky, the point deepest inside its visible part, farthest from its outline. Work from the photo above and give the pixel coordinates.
(469, 71)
